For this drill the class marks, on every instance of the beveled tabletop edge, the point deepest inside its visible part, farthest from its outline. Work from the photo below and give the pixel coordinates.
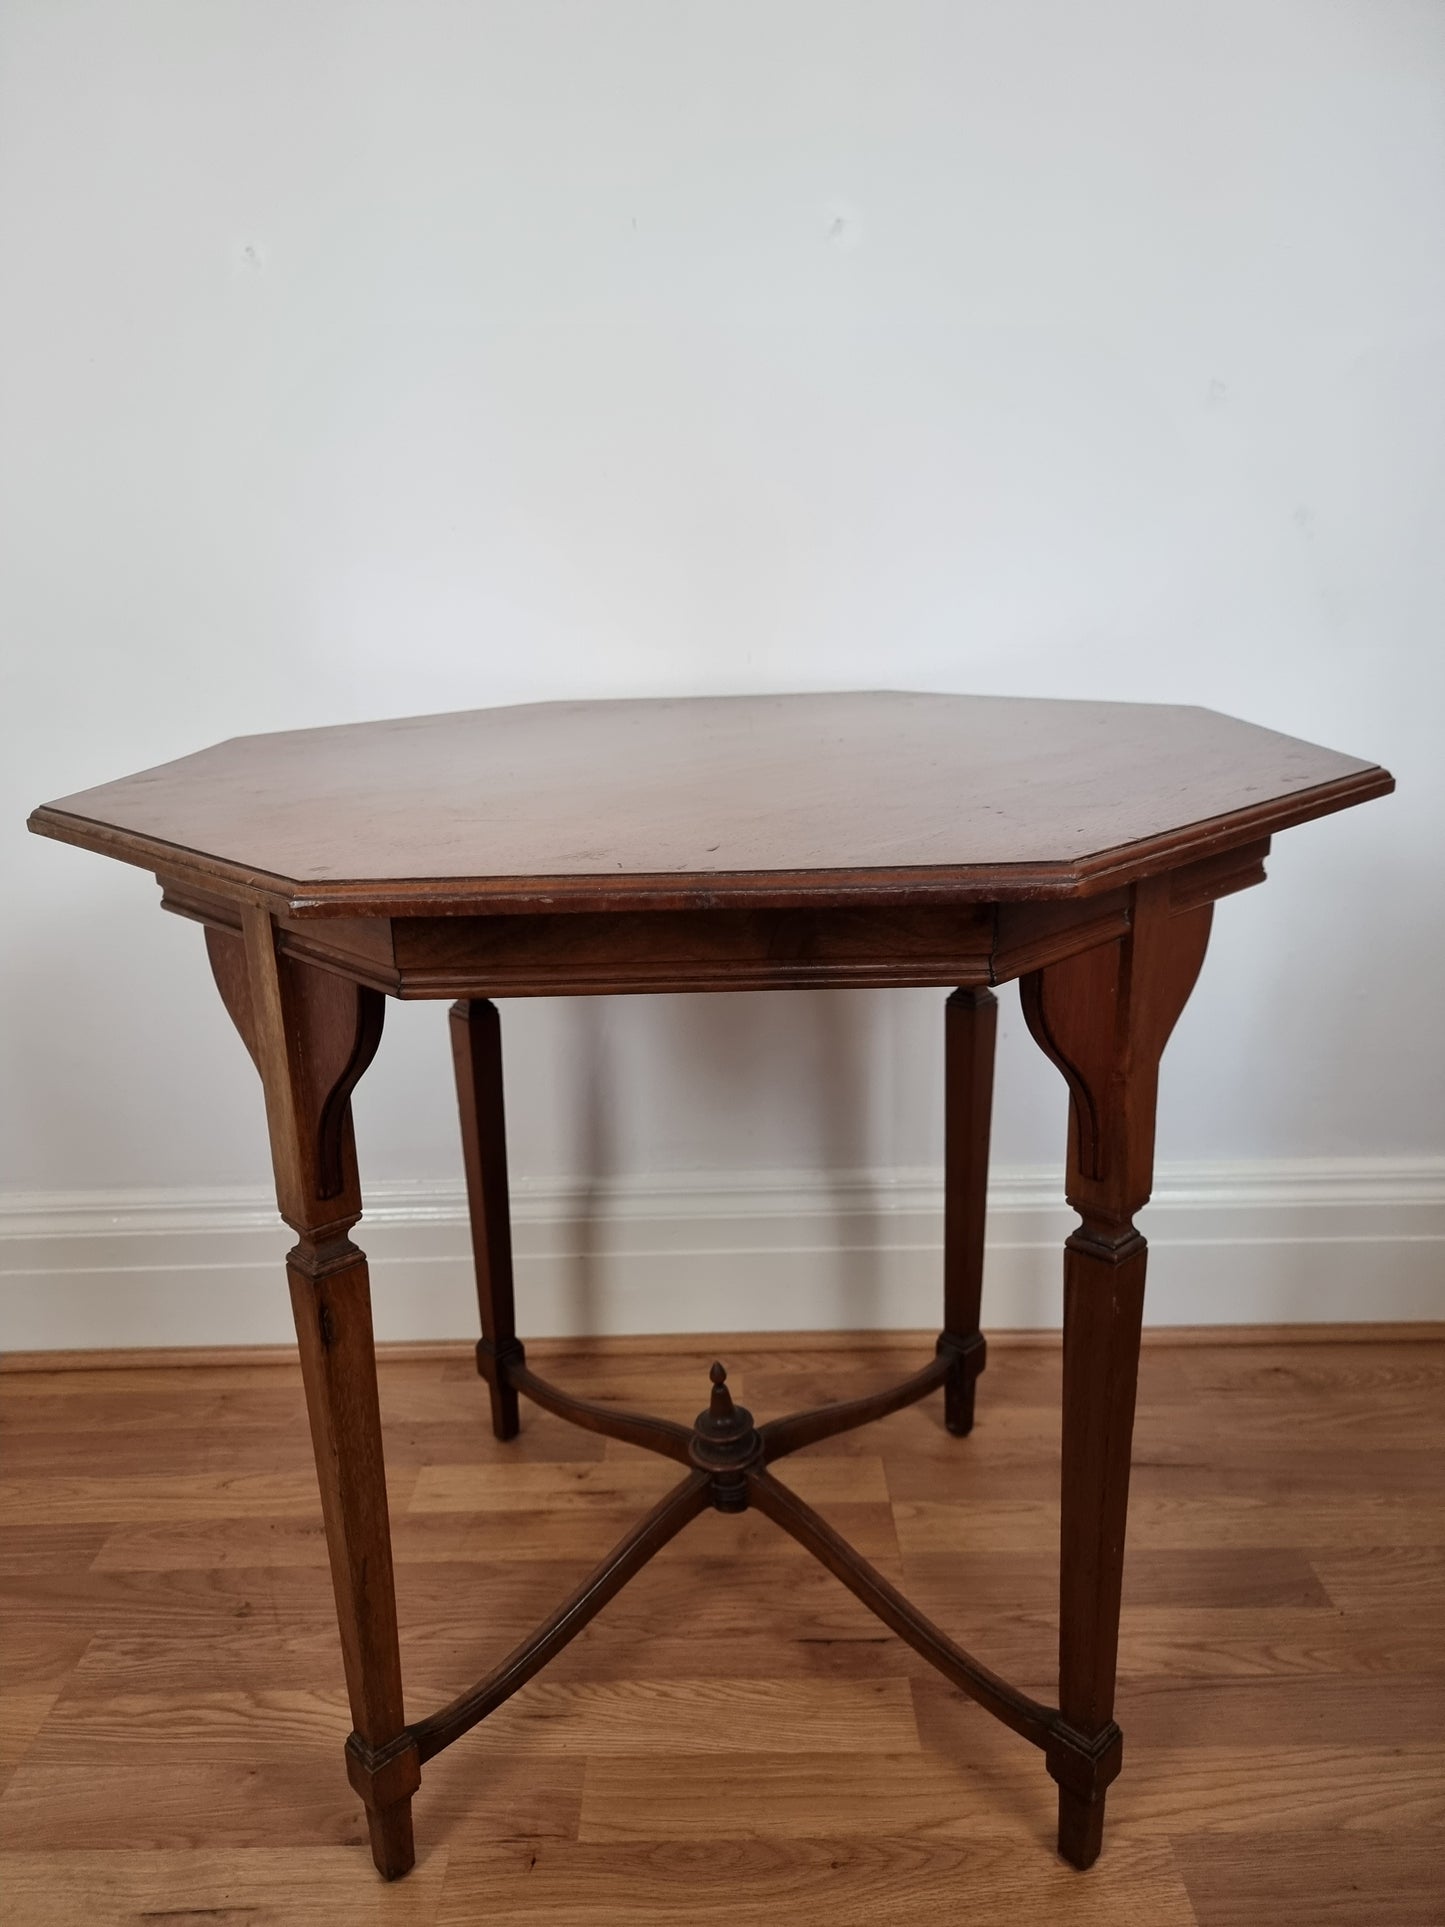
(875, 887)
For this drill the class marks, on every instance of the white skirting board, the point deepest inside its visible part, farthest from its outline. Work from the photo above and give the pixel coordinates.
(1260, 1243)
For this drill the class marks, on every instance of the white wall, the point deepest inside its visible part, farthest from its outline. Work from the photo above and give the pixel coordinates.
(365, 359)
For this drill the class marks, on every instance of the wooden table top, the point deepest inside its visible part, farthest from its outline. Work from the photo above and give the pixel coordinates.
(712, 800)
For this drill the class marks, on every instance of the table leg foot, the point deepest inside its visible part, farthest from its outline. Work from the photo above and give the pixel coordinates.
(493, 1362)
(1084, 1769)
(1081, 1828)
(506, 1416)
(966, 1357)
(392, 1846)
(958, 1408)
(386, 1778)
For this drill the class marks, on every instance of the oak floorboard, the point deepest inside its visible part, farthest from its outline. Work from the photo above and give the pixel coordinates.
(996, 1789)
(138, 1498)
(1179, 1524)
(23, 1711)
(42, 1547)
(1207, 1469)
(847, 1882)
(1310, 1711)
(220, 1887)
(682, 1618)
(1399, 1579)
(257, 1447)
(1320, 1879)
(612, 1717)
(1292, 1373)
(1183, 1642)
(479, 1792)
(1194, 1577)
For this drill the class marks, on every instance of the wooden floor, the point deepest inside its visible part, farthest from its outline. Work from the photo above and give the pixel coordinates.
(735, 1740)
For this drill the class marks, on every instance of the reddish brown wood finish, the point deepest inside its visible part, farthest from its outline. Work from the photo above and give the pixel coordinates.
(477, 1053)
(713, 802)
(312, 1036)
(970, 1024)
(734, 843)
(525, 954)
(1104, 1018)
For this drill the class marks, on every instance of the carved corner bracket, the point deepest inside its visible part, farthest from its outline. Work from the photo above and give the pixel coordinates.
(311, 1034)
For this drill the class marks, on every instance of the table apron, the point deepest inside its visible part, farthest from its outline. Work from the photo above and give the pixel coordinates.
(566, 953)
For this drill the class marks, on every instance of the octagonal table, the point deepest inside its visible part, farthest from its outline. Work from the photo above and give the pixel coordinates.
(720, 843)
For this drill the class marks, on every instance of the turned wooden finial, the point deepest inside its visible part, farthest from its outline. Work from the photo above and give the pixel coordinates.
(720, 1405)
(725, 1443)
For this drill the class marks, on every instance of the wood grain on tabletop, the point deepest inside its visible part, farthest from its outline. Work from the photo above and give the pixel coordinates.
(543, 800)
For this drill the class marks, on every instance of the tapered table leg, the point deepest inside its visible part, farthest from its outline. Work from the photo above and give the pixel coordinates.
(477, 1053)
(312, 1035)
(1104, 1017)
(970, 1022)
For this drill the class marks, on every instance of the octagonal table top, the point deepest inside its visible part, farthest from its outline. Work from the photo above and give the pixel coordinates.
(714, 800)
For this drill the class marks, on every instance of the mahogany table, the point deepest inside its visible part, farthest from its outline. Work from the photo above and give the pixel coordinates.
(722, 843)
